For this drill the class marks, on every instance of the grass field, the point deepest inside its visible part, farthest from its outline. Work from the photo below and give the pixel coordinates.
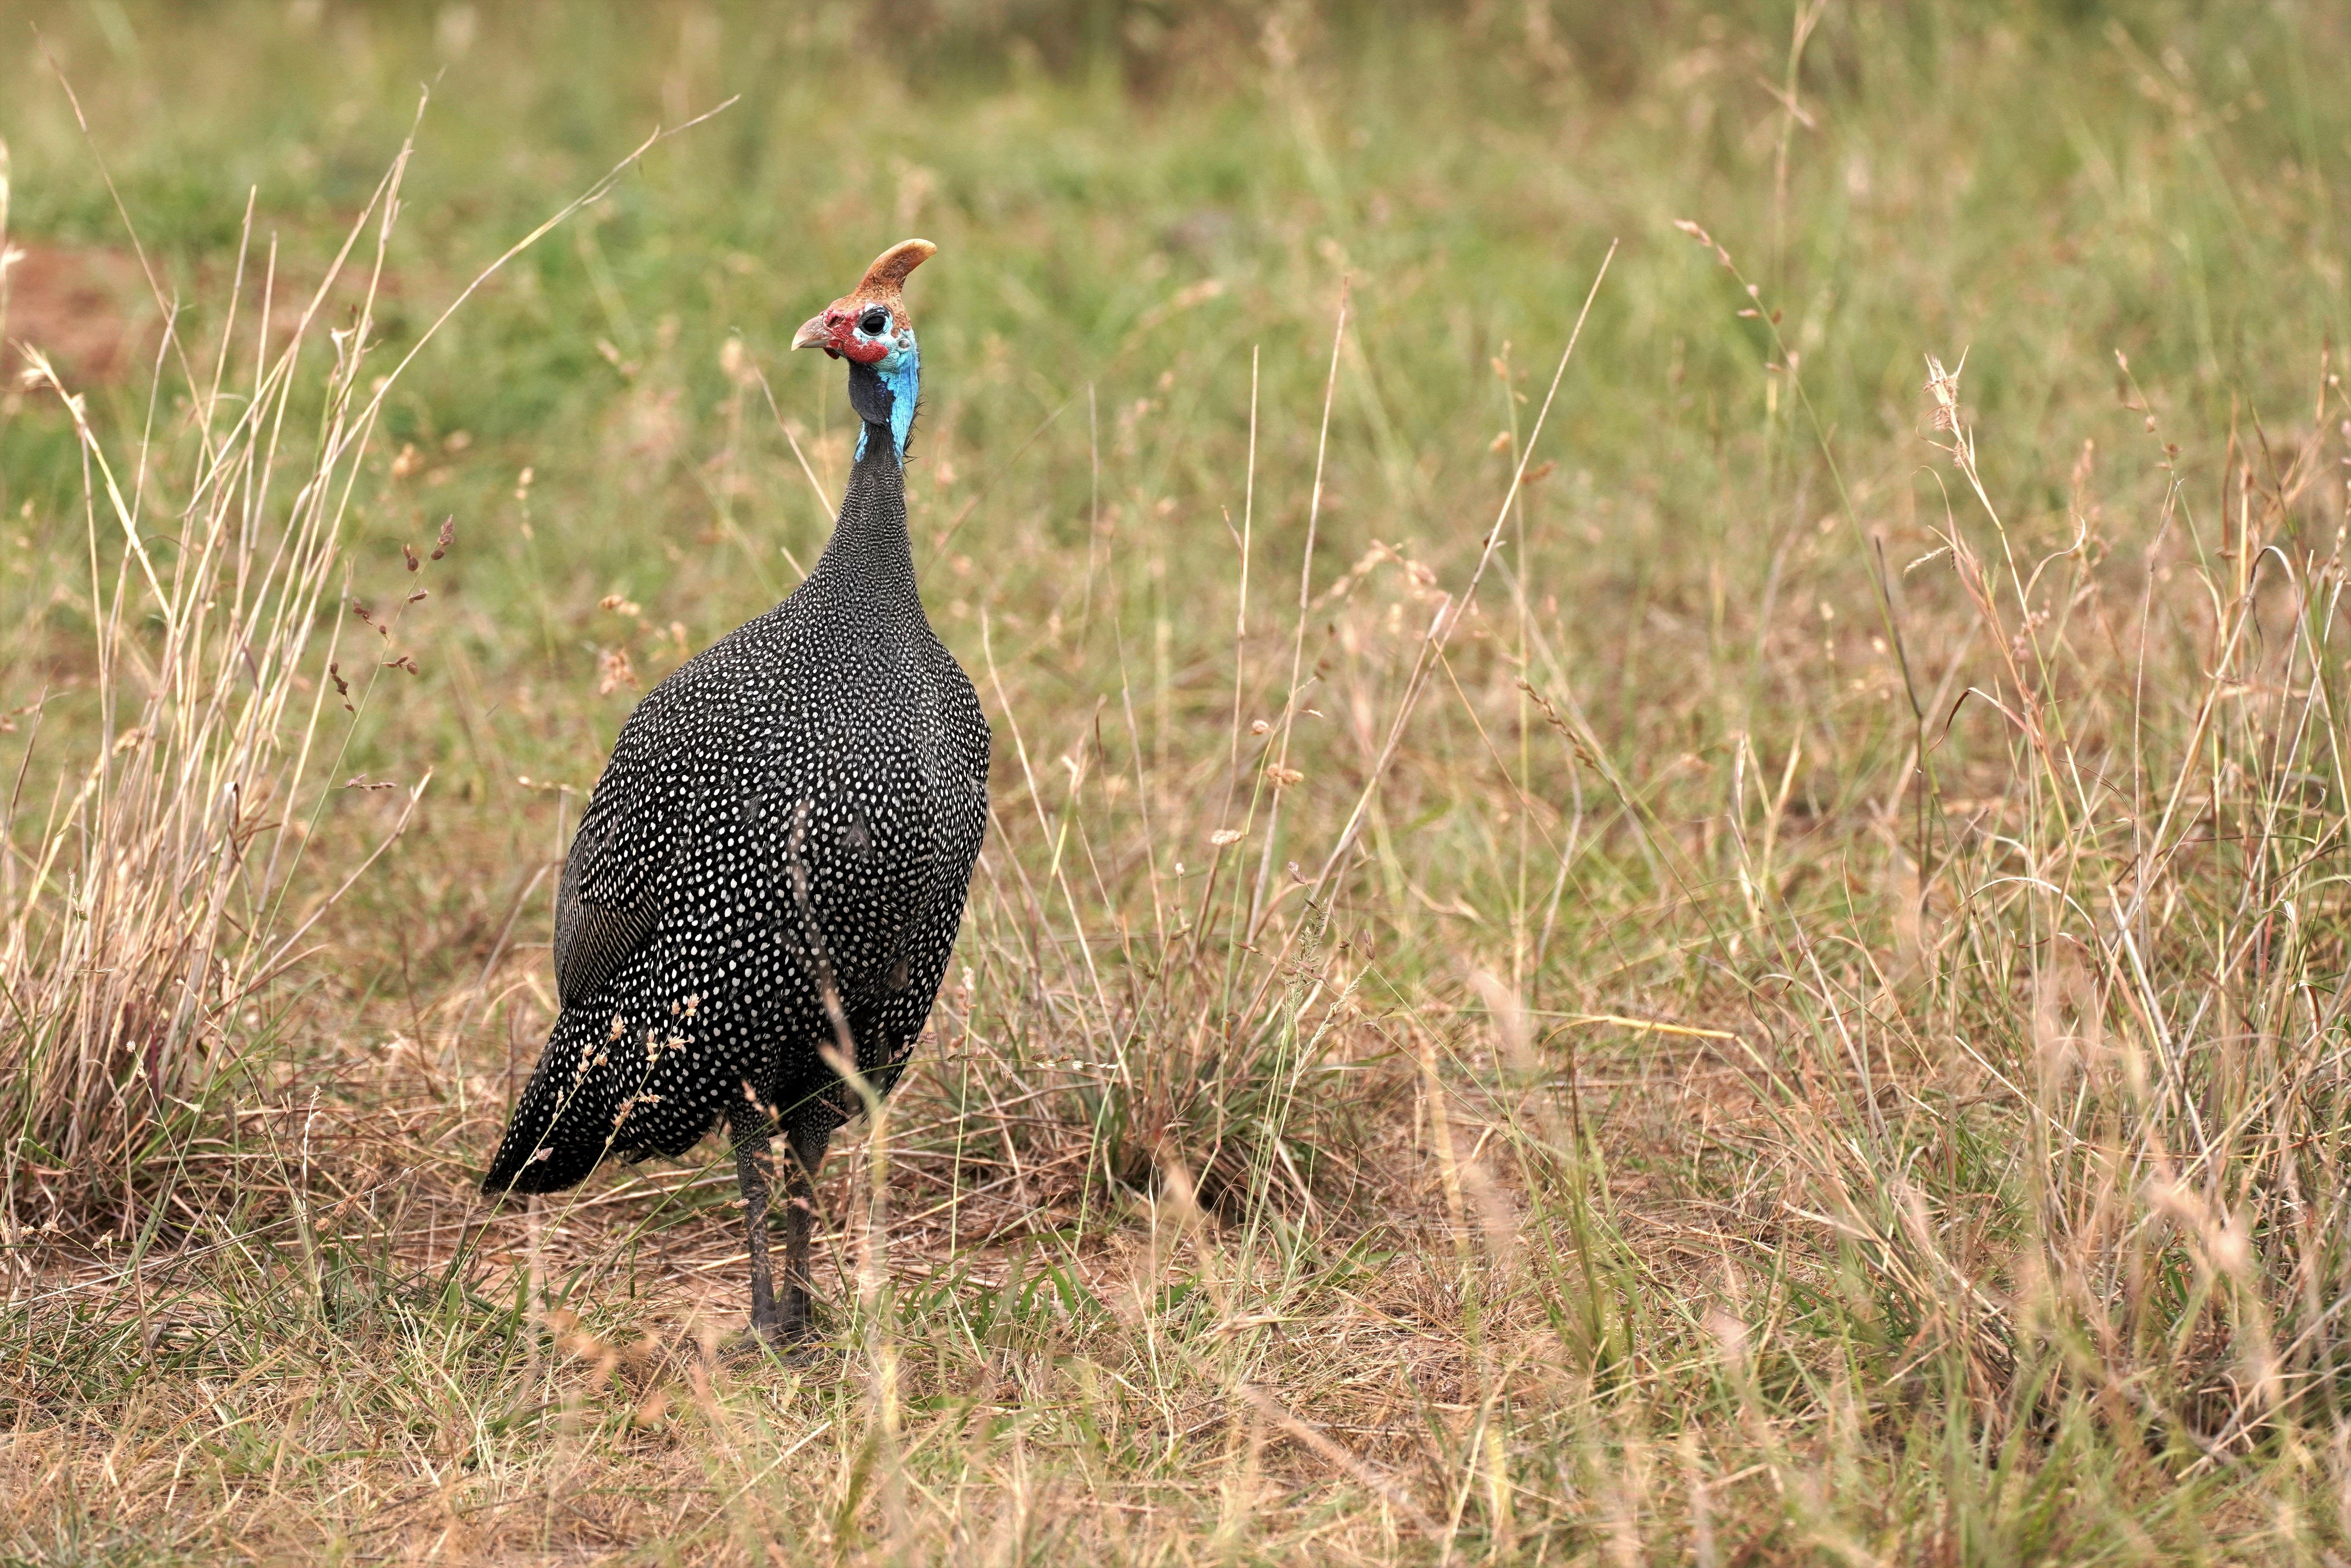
(1739, 964)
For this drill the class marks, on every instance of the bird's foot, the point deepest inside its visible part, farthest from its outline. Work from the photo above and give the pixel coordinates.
(777, 1341)
(750, 1352)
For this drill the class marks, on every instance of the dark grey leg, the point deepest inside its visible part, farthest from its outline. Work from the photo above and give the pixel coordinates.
(752, 1130)
(806, 1144)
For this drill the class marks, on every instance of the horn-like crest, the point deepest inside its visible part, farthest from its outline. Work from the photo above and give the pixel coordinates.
(885, 281)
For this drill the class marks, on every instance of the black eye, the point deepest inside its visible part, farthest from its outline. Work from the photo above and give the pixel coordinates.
(873, 323)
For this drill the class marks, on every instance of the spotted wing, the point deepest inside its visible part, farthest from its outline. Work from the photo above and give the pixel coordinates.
(638, 818)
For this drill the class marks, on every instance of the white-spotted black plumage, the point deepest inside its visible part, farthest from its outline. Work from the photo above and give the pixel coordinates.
(798, 808)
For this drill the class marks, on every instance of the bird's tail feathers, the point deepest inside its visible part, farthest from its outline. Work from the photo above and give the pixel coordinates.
(573, 1111)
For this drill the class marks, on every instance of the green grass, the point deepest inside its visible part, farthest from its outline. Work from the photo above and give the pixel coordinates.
(1829, 1043)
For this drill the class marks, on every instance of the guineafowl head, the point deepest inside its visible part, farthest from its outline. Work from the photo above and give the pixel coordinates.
(869, 327)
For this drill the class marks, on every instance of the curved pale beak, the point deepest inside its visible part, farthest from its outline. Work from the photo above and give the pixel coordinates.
(812, 333)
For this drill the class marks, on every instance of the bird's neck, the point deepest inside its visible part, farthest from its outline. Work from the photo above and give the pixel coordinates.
(884, 396)
(869, 545)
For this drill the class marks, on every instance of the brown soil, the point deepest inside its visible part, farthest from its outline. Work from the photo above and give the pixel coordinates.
(88, 308)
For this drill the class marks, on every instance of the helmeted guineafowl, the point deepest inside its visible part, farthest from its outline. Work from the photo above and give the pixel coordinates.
(774, 864)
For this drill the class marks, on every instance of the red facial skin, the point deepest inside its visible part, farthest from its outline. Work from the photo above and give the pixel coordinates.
(835, 331)
(841, 341)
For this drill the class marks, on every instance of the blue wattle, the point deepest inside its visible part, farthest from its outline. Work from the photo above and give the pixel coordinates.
(901, 372)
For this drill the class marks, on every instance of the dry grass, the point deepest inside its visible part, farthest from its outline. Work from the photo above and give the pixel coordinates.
(146, 906)
(1772, 992)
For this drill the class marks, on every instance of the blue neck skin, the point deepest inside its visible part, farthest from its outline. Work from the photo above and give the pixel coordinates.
(900, 371)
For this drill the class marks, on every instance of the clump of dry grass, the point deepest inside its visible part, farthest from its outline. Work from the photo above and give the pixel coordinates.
(152, 907)
(146, 901)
